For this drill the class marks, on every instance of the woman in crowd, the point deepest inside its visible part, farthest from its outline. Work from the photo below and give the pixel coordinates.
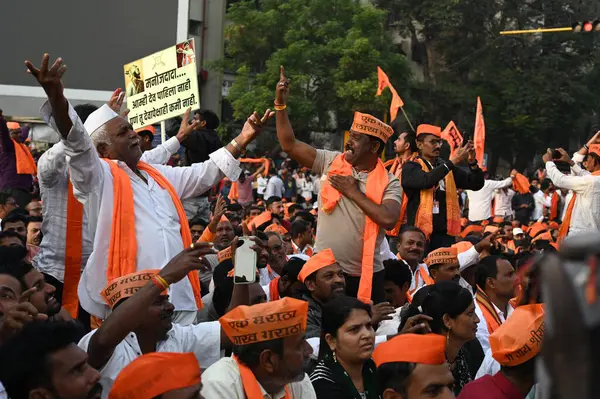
(345, 369)
(453, 312)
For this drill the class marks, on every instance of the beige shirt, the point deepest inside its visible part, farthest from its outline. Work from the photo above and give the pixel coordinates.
(223, 380)
(342, 230)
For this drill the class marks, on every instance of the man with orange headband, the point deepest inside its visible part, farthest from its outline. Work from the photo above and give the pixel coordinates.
(134, 209)
(430, 184)
(412, 366)
(515, 347)
(17, 166)
(358, 200)
(268, 354)
(444, 265)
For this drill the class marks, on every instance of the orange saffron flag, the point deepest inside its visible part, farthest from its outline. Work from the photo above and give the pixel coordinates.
(383, 82)
(452, 135)
(479, 134)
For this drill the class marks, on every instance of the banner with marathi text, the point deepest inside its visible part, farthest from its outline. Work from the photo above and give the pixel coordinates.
(162, 85)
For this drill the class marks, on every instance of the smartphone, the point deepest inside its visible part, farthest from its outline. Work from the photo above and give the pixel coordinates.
(245, 262)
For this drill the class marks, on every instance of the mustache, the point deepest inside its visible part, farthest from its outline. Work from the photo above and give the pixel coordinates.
(456, 278)
(336, 286)
(96, 390)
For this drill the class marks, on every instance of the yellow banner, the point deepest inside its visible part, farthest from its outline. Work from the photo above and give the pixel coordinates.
(162, 85)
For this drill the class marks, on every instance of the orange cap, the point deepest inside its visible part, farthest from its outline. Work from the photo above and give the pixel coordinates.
(368, 124)
(13, 125)
(595, 148)
(546, 235)
(429, 129)
(498, 219)
(412, 348)
(223, 219)
(322, 259)
(536, 229)
(153, 374)
(554, 225)
(150, 129)
(126, 286)
(442, 256)
(520, 337)
(261, 219)
(266, 321)
(490, 229)
(277, 228)
(473, 228)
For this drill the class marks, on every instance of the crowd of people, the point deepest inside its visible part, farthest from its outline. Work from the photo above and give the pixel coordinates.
(405, 279)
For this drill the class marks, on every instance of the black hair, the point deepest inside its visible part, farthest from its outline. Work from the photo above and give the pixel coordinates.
(487, 268)
(13, 253)
(523, 370)
(273, 199)
(293, 208)
(235, 207)
(84, 111)
(395, 376)
(292, 268)
(305, 215)
(211, 119)
(593, 155)
(34, 219)
(5, 195)
(223, 286)
(545, 184)
(397, 272)
(13, 217)
(250, 209)
(504, 224)
(335, 314)
(436, 300)
(411, 139)
(26, 358)
(407, 229)
(543, 245)
(17, 269)
(299, 227)
(172, 126)
(197, 221)
(12, 234)
(249, 355)
(146, 133)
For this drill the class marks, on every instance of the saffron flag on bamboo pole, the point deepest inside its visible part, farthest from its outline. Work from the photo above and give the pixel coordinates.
(452, 135)
(479, 137)
(383, 82)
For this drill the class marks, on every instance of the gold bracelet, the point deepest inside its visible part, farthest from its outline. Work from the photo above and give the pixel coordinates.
(280, 107)
(236, 145)
(162, 281)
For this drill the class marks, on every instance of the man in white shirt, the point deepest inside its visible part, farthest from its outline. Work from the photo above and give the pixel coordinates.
(543, 200)
(157, 222)
(275, 187)
(495, 288)
(585, 215)
(411, 247)
(502, 203)
(480, 202)
(270, 353)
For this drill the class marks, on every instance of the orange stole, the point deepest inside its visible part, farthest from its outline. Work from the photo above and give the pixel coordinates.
(424, 218)
(396, 170)
(376, 183)
(274, 289)
(554, 206)
(566, 223)
(73, 250)
(24, 160)
(122, 252)
(487, 308)
(251, 385)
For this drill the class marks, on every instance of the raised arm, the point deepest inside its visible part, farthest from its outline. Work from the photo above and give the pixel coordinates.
(128, 316)
(5, 143)
(576, 183)
(296, 149)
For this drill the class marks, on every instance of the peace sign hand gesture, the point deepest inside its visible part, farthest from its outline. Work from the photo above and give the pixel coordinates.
(49, 79)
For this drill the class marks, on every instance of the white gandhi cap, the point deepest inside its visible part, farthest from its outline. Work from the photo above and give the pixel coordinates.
(98, 118)
(517, 231)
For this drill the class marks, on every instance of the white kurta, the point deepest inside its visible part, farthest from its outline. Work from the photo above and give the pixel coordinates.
(483, 334)
(480, 202)
(157, 224)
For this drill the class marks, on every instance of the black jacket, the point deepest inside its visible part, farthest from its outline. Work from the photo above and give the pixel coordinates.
(199, 145)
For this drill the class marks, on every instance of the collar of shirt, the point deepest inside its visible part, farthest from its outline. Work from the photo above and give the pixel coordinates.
(506, 387)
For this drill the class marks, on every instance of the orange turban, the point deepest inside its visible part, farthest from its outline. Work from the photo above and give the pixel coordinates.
(13, 125)
(276, 228)
(429, 129)
(261, 219)
(369, 125)
(126, 286)
(520, 337)
(266, 321)
(412, 348)
(442, 256)
(322, 259)
(150, 129)
(473, 228)
(153, 374)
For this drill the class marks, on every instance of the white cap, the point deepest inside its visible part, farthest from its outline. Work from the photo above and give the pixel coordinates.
(517, 231)
(315, 206)
(98, 118)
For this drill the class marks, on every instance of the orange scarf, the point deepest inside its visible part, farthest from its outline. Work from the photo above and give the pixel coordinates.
(234, 192)
(376, 183)
(122, 258)
(24, 159)
(487, 308)
(70, 299)
(424, 219)
(396, 170)
(521, 184)
(251, 385)
(274, 289)
(566, 223)
(424, 276)
(554, 206)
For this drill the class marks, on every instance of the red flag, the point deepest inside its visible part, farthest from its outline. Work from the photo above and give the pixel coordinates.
(383, 82)
(452, 135)
(479, 138)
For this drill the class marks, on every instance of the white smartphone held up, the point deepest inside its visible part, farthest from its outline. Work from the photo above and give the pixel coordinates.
(245, 262)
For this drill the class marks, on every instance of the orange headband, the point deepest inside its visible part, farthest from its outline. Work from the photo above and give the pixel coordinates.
(369, 125)
(429, 129)
(266, 321)
(412, 348)
(520, 337)
(473, 228)
(151, 129)
(277, 228)
(442, 256)
(322, 259)
(126, 286)
(153, 374)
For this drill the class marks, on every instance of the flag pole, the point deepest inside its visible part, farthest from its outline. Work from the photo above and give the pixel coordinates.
(408, 120)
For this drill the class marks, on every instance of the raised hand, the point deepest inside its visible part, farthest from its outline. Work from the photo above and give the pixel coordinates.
(116, 100)
(564, 156)
(254, 125)
(186, 127)
(220, 208)
(15, 318)
(346, 185)
(282, 90)
(547, 157)
(191, 258)
(462, 153)
(49, 79)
